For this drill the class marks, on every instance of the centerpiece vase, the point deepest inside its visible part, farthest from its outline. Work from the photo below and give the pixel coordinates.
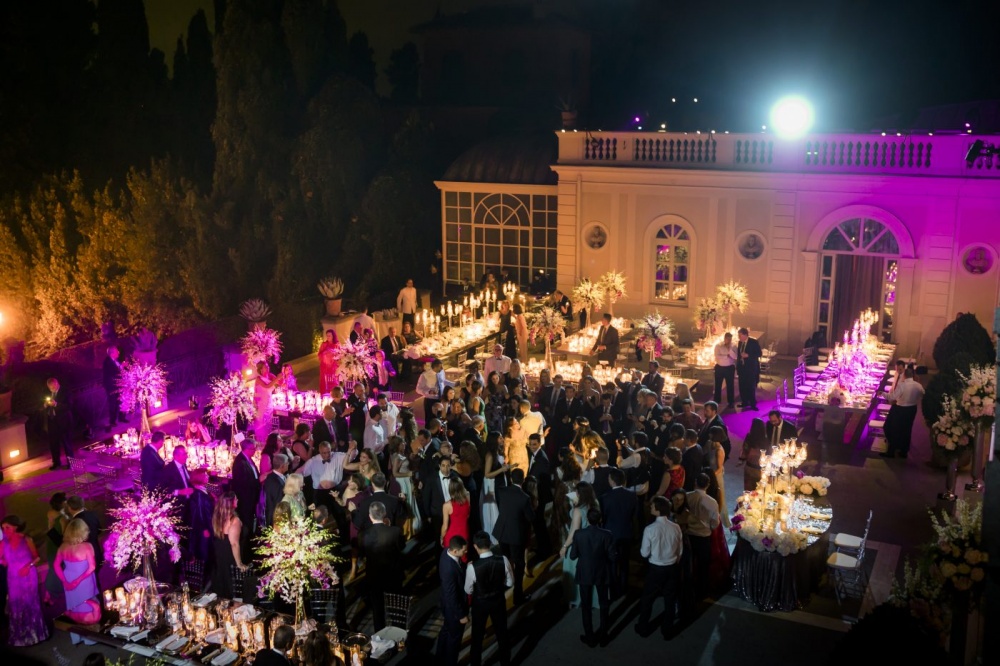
(980, 453)
(548, 355)
(950, 480)
(588, 315)
(145, 420)
(300, 610)
(151, 603)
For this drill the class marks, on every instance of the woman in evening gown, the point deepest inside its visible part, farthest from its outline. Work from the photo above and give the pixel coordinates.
(455, 513)
(583, 500)
(226, 527)
(494, 478)
(263, 387)
(328, 362)
(24, 605)
(75, 566)
(521, 331)
(404, 477)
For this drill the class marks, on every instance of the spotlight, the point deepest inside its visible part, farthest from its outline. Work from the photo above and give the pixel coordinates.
(792, 117)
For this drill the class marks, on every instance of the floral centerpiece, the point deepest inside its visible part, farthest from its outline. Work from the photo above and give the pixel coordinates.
(708, 316)
(588, 296)
(613, 285)
(141, 385)
(296, 555)
(143, 525)
(261, 344)
(803, 485)
(355, 362)
(952, 430)
(547, 324)
(230, 398)
(732, 297)
(770, 539)
(978, 400)
(655, 336)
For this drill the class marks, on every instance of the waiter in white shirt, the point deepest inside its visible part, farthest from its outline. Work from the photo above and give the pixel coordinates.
(899, 421)
(725, 369)
(406, 302)
(662, 545)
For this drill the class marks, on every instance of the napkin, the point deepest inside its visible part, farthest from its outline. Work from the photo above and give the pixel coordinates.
(123, 631)
(205, 599)
(167, 641)
(225, 658)
(245, 612)
(140, 650)
(380, 646)
(217, 637)
(138, 636)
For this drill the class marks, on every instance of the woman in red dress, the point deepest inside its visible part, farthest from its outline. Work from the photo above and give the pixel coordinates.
(455, 513)
(327, 362)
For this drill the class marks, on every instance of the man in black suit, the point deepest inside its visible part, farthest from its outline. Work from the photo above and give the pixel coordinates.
(58, 423)
(274, 486)
(650, 414)
(618, 507)
(692, 459)
(486, 581)
(392, 346)
(653, 380)
(594, 549)
(276, 655)
(246, 485)
(599, 472)
(513, 527)
(540, 469)
(435, 493)
(454, 601)
(325, 429)
(748, 354)
(111, 370)
(778, 429)
(549, 393)
(394, 508)
(198, 518)
(151, 463)
(357, 410)
(607, 344)
(77, 509)
(176, 479)
(562, 303)
(382, 547)
(713, 420)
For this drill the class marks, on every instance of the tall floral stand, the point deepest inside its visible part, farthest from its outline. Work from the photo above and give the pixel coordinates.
(151, 605)
(950, 480)
(980, 454)
(145, 429)
(548, 355)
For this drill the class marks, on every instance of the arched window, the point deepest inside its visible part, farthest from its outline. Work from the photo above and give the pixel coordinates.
(861, 236)
(672, 256)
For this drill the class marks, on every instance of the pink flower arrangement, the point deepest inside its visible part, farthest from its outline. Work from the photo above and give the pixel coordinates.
(737, 522)
(141, 384)
(230, 398)
(261, 344)
(547, 325)
(355, 362)
(141, 526)
(296, 556)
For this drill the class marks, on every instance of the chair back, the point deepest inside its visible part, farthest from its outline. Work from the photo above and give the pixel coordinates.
(323, 604)
(237, 577)
(194, 574)
(864, 537)
(397, 610)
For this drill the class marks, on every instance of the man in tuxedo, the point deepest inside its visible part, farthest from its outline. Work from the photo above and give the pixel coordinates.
(653, 380)
(594, 549)
(618, 507)
(77, 509)
(563, 304)
(486, 582)
(395, 510)
(393, 345)
(713, 420)
(382, 547)
(540, 469)
(548, 394)
(58, 423)
(599, 471)
(692, 458)
(176, 479)
(246, 485)
(151, 463)
(325, 429)
(607, 344)
(454, 601)
(778, 429)
(513, 527)
(435, 493)
(111, 371)
(198, 517)
(276, 655)
(651, 413)
(274, 486)
(748, 354)
(357, 409)
(497, 363)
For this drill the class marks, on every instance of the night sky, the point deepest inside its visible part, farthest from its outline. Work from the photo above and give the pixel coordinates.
(860, 61)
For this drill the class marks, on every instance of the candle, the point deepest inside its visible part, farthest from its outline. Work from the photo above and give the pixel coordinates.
(108, 600)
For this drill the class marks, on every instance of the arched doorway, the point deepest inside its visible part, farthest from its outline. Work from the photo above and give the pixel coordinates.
(859, 267)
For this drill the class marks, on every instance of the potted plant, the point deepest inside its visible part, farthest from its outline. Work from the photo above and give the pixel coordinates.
(256, 312)
(144, 347)
(332, 289)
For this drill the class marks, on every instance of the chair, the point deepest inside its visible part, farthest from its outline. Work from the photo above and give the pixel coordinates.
(323, 604)
(397, 610)
(848, 573)
(84, 479)
(193, 573)
(238, 576)
(397, 396)
(876, 428)
(850, 544)
(792, 402)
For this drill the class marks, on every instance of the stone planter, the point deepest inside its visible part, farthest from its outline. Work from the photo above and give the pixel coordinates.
(333, 306)
(6, 398)
(147, 357)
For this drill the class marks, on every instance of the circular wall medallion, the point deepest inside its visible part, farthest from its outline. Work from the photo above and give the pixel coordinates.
(595, 236)
(978, 259)
(750, 245)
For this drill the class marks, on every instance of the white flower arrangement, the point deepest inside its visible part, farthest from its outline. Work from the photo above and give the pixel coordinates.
(261, 344)
(978, 398)
(588, 296)
(953, 429)
(612, 284)
(773, 541)
(656, 333)
(708, 315)
(141, 526)
(548, 324)
(732, 297)
(141, 384)
(231, 397)
(296, 555)
(355, 362)
(803, 485)
(255, 310)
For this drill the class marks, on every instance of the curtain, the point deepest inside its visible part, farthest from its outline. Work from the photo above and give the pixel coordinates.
(857, 286)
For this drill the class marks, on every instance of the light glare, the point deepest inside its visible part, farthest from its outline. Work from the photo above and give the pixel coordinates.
(792, 117)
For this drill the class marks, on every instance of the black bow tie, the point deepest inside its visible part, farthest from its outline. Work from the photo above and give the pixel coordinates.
(325, 461)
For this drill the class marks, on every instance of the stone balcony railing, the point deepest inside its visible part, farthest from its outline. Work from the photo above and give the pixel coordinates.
(909, 155)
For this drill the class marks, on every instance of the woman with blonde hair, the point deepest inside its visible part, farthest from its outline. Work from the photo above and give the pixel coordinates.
(75, 566)
(682, 393)
(293, 495)
(226, 528)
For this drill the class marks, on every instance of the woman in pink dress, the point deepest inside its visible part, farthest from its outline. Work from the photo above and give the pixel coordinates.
(328, 362)
(24, 605)
(263, 387)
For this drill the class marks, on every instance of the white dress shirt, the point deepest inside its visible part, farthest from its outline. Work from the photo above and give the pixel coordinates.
(908, 393)
(470, 574)
(390, 418)
(375, 436)
(445, 481)
(332, 470)
(725, 356)
(532, 423)
(499, 365)
(662, 542)
(366, 321)
(427, 385)
(406, 301)
(704, 514)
